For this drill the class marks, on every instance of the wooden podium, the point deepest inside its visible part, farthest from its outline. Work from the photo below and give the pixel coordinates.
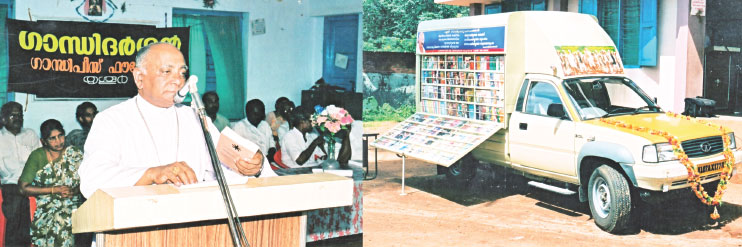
(272, 212)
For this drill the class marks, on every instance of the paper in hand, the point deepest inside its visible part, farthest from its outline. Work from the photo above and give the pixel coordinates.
(232, 147)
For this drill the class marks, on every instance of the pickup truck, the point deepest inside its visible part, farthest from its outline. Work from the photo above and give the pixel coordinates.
(544, 95)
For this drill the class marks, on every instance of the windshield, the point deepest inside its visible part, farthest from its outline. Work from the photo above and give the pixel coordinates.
(597, 97)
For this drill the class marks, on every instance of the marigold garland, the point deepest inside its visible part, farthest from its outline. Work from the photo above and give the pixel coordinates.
(694, 179)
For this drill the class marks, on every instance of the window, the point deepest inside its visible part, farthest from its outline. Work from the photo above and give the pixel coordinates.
(521, 96)
(216, 56)
(631, 24)
(540, 96)
(492, 9)
(514, 5)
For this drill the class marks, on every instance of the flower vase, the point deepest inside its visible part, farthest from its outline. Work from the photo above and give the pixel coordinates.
(330, 163)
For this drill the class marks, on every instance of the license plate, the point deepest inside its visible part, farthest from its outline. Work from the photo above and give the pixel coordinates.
(710, 168)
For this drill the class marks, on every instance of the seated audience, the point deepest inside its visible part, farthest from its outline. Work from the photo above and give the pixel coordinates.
(211, 105)
(254, 128)
(85, 114)
(51, 176)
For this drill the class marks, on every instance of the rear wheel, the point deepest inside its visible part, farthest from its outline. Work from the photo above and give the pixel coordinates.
(462, 170)
(609, 196)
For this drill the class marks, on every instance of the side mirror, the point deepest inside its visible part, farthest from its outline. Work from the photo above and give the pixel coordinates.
(556, 110)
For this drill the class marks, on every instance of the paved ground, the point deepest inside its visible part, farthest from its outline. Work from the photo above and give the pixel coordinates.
(491, 212)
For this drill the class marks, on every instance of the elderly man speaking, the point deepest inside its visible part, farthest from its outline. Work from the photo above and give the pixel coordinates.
(149, 139)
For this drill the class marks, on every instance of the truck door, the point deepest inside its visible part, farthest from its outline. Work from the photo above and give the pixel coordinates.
(541, 132)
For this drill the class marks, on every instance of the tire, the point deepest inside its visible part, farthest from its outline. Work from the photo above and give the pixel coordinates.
(609, 196)
(461, 171)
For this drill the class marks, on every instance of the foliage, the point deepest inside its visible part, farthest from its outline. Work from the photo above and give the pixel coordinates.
(391, 25)
(372, 111)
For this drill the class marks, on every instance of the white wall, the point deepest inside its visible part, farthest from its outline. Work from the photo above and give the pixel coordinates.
(281, 62)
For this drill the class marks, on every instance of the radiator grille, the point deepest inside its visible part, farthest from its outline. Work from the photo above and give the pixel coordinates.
(703, 146)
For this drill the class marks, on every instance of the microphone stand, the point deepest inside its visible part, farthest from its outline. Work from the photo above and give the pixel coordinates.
(235, 227)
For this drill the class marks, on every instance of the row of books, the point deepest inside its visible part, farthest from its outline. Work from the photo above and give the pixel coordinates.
(480, 96)
(463, 110)
(479, 79)
(470, 62)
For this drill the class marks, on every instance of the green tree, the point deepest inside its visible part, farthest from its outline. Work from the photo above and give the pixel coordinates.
(391, 25)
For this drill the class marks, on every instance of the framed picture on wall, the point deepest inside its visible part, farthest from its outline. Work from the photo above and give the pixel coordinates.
(95, 7)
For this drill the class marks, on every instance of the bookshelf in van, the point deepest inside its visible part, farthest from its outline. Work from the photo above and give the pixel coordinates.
(463, 86)
(461, 106)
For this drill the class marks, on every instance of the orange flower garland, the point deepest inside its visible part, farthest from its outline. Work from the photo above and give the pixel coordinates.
(694, 179)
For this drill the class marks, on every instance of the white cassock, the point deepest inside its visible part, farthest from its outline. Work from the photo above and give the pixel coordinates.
(261, 135)
(128, 138)
(293, 144)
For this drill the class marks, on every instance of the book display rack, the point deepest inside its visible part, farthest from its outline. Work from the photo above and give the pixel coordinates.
(461, 105)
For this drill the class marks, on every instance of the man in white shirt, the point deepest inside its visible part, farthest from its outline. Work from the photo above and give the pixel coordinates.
(254, 128)
(211, 105)
(300, 147)
(150, 140)
(16, 143)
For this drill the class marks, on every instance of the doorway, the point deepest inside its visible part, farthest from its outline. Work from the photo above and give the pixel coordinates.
(720, 80)
(340, 51)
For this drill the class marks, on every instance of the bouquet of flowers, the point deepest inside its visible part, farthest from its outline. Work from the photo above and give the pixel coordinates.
(328, 122)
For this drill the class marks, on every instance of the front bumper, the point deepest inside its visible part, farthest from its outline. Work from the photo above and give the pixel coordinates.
(669, 176)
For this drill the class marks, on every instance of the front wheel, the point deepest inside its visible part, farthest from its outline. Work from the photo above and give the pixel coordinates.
(610, 199)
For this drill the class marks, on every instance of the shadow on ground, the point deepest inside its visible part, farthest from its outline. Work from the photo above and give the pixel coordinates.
(488, 185)
(485, 186)
(683, 216)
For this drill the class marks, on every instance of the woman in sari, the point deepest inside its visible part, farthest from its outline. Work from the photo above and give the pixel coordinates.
(51, 176)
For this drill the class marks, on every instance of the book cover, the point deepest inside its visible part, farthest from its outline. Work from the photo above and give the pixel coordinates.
(232, 147)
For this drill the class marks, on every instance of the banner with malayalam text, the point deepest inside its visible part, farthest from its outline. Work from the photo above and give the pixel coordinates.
(486, 39)
(63, 59)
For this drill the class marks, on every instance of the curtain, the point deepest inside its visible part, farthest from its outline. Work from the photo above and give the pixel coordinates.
(197, 50)
(4, 57)
(225, 40)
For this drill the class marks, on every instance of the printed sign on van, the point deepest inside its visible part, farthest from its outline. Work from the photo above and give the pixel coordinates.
(589, 60)
(490, 39)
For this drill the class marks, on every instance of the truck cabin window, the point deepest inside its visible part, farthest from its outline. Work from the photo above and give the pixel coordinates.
(608, 96)
(543, 100)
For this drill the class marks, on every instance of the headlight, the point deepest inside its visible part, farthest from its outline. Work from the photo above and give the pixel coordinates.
(658, 152)
(732, 142)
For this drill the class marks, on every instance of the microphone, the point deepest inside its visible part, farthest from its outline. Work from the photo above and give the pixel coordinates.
(196, 102)
(183, 92)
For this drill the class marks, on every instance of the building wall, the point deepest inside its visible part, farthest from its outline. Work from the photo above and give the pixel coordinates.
(679, 70)
(281, 62)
